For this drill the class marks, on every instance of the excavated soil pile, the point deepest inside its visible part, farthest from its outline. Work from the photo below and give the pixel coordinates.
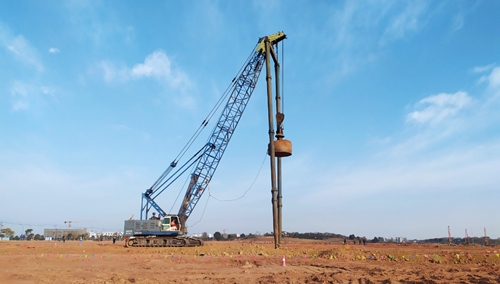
(247, 262)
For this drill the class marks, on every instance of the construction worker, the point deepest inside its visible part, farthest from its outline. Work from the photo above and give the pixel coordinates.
(154, 217)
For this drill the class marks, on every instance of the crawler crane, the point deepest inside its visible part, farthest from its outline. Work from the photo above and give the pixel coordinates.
(170, 230)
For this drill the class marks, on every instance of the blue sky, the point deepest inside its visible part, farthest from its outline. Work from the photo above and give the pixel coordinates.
(392, 108)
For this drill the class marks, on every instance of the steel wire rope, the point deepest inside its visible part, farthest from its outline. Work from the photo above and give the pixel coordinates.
(203, 124)
(178, 173)
(283, 77)
(182, 187)
(206, 121)
(214, 109)
(231, 200)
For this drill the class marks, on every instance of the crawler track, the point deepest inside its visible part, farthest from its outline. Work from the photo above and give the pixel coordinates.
(162, 241)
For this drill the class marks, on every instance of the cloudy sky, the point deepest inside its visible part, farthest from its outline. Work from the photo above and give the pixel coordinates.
(392, 108)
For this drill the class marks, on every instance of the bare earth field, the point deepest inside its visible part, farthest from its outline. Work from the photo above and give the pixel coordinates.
(246, 262)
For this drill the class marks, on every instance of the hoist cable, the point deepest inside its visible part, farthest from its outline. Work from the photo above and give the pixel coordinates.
(283, 77)
(180, 191)
(213, 111)
(230, 200)
(180, 171)
(202, 125)
(205, 122)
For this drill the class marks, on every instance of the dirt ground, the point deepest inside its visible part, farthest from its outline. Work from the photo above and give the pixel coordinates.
(246, 262)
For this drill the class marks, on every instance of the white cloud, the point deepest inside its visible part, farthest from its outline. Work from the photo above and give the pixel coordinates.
(458, 22)
(20, 48)
(47, 90)
(357, 32)
(54, 50)
(494, 78)
(19, 92)
(439, 107)
(112, 73)
(25, 95)
(457, 171)
(482, 69)
(158, 65)
(409, 20)
(120, 127)
(493, 82)
(456, 157)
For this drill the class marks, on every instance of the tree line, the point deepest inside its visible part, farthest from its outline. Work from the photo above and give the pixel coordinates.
(29, 236)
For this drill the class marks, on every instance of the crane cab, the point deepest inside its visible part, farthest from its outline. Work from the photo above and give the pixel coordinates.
(168, 226)
(170, 223)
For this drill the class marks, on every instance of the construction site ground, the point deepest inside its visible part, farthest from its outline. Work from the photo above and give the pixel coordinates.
(256, 261)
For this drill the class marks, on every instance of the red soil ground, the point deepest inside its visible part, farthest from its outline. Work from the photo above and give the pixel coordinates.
(246, 262)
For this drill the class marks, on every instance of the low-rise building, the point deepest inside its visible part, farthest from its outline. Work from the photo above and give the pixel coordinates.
(58, 233)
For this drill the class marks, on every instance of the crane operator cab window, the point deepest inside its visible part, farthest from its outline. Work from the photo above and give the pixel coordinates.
(170, 224)
(174, 223)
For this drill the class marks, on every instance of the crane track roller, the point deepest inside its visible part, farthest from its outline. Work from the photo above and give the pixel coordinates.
(162, 242)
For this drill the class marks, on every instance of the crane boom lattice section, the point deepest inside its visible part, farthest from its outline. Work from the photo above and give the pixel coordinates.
(242, 90)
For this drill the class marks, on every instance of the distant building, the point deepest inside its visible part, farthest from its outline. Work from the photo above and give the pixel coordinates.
(96, 235)
(56, 233)
(396, 240)
(198, 235)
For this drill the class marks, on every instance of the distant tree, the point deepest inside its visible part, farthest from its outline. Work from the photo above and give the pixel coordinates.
(2, 235)
(31, 236)
(242, 236)
(204, 236)
(375, 240)
(7, 232)
(352, 237)
(37, 237)
(28, 231)
(217, 236)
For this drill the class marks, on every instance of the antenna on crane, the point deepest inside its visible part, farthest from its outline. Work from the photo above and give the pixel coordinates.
(485, 238)
(466, 238)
